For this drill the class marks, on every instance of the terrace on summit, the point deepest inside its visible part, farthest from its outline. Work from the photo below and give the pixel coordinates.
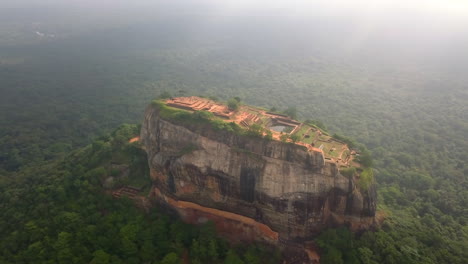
(281, 126)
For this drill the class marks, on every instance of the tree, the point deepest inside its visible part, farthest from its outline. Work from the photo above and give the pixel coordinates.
(252, 256)
(203, 115)
(34, 253)
(417, 180)
(129, 231)
(294, 138)
(232, 258)
(291, 112)
(212, 249)
(284, 137)
(366, 178)
(100, 257)
(365, 158)
(256, 130)
(98, 145)
(128, 247)
(365, 254)
(181, 232)
(332, 256)
(62, 245)
(147, 251)
(171, 258)
(318, 124)
(164, 95)
(195, 250)
(233, 104)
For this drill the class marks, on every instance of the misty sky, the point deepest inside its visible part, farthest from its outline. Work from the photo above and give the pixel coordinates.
(436, 15)
(436, 8)
(425, 27)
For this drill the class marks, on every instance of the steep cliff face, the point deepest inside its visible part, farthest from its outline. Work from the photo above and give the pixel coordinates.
(282, 186)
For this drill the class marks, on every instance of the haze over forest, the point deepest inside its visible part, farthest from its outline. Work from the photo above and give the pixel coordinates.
(391, 75)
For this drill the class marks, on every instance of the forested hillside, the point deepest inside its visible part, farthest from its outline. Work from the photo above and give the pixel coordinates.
(58, 95)
(59, 213)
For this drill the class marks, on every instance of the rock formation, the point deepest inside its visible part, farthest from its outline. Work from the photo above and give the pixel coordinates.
(252, 188)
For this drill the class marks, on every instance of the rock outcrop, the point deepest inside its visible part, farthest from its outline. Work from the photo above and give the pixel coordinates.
(280, 191)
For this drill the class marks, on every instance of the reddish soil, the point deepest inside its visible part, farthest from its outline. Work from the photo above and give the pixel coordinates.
(235, 227)
(221, 219)
(134, 139)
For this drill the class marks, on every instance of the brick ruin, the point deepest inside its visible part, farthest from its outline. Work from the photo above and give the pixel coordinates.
(194, 103)
(247, 116)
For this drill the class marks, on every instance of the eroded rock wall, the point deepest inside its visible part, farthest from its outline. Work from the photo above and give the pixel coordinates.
(294, 192)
